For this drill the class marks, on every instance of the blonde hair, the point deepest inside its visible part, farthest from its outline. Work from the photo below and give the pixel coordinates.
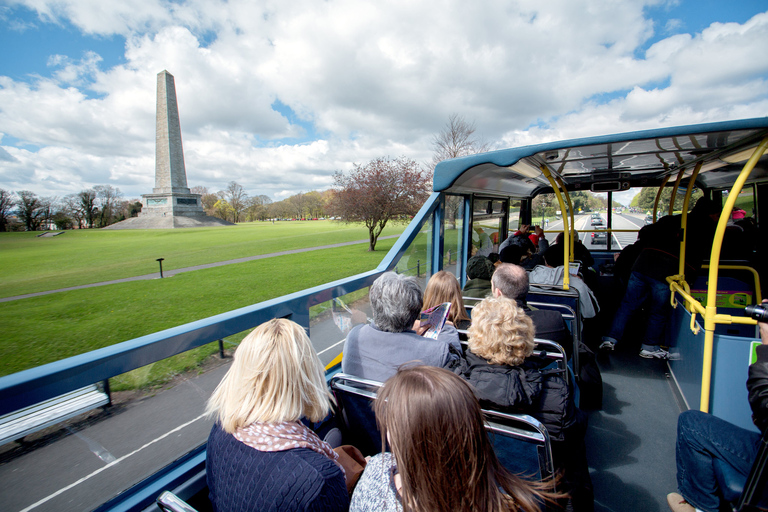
(276, 376)
(444, 287)
(501, 332)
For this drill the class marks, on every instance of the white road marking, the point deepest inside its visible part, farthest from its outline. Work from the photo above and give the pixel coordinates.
(329, 348)
(114, 462)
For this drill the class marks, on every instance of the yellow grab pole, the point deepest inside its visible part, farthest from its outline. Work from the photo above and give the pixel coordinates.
(674, 191)
(658, 196)
(684, 221)
(711, 309)
(566, 234)
(570, 208)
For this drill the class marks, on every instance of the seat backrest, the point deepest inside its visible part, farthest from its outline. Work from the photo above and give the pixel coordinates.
(521, 443)
(355, 397)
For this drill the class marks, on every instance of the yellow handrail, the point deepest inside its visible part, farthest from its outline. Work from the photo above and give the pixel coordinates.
(684, 218)
(566, 233)
(674, 191)
(658, 196)
(755, 275)
(711, 309)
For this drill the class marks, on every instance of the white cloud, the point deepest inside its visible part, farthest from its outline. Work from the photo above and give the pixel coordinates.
(363, 79)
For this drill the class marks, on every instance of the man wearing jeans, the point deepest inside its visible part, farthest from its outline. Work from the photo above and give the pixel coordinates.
(648, 281)
(703, 438)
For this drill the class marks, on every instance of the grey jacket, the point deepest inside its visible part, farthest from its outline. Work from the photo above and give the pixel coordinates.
(374, 354)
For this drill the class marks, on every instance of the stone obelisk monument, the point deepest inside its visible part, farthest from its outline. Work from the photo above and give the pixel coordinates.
(171, 204)
(171, 196)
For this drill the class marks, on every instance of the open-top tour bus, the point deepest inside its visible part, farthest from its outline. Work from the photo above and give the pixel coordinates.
(123, 460)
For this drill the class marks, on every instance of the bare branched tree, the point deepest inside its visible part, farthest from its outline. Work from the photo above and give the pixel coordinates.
(7, 203)
(236, 197)
(456, 139)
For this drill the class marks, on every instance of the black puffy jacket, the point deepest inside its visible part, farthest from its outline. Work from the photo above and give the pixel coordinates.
(524, 389)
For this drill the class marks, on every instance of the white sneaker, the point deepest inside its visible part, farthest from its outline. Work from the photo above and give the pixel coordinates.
(607, 345)
(659, 353)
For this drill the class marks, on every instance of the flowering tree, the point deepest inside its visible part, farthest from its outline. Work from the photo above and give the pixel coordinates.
(379, 191)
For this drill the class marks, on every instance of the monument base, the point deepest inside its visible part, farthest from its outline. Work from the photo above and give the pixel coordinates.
(169, 222)
(164, 204)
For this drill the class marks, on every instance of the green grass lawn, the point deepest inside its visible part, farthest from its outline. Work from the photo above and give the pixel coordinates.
(31, 264)
(44, 329)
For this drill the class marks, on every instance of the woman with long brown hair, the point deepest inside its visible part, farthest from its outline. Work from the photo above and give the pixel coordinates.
(444, 287)
(442, 458)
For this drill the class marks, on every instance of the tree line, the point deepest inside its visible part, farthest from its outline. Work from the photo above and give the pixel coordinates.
(95, 207)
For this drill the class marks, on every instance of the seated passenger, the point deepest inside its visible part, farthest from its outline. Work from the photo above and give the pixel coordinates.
(498, 366)
(374, 351)
(441, 456)
(552, 274)
(444, 287)
(702, 439)
(524, 250)
(479, 272)
(260, 456)
(580, 251)
(511, 281)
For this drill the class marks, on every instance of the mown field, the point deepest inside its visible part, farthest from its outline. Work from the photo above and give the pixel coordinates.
(44, 329)
(29, 263)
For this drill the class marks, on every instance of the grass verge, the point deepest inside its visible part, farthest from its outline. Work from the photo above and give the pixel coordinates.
(31, 264)
(44, 329)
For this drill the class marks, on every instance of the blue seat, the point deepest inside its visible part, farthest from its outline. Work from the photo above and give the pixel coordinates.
(521, 442)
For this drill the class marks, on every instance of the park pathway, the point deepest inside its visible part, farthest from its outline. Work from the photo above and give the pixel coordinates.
(170, 273)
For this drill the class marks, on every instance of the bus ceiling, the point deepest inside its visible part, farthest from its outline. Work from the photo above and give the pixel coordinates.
(612, 162)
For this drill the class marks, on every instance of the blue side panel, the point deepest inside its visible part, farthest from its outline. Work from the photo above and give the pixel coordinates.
(687, 369)
(729, 377)
(730, 364)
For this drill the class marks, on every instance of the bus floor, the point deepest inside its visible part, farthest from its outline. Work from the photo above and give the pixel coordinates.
(631, 441)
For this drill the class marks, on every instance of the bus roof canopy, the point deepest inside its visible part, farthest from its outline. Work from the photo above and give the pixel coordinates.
(611, 162)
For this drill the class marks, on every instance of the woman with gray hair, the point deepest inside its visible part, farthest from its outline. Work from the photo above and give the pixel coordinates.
(375, 351)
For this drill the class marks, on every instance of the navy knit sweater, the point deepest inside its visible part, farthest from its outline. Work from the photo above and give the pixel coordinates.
(241, 478)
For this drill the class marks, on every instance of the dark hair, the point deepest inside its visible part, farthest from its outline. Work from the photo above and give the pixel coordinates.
(511, 280)
(479, 267)
(512, 254)
(437, 434)
(554, 256)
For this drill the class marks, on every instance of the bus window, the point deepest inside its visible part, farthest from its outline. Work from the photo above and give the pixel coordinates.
(454, 227)
(489, 217)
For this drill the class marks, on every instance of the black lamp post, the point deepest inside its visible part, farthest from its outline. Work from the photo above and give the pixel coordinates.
(160, 260)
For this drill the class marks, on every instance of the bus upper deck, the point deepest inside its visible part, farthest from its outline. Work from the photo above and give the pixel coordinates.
(477, 201)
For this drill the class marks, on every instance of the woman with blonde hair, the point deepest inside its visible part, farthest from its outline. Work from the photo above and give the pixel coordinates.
(444, 287)
(260, 455)
(442, 458)
(500, 366)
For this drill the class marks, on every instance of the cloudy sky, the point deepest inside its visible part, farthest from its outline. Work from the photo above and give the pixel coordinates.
(277, 95)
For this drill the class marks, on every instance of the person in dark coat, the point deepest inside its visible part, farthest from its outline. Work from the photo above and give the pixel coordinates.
(511, 281)
(660, 258)
(498, 366)
(479, 271)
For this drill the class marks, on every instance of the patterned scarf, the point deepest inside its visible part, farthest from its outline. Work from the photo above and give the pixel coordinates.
(287, 435)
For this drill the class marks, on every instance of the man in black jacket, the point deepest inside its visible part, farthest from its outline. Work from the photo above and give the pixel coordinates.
(511, 281)
(703, 438)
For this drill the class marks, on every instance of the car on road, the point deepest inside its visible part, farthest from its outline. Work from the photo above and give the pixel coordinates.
(598, 237)
(597, 220)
